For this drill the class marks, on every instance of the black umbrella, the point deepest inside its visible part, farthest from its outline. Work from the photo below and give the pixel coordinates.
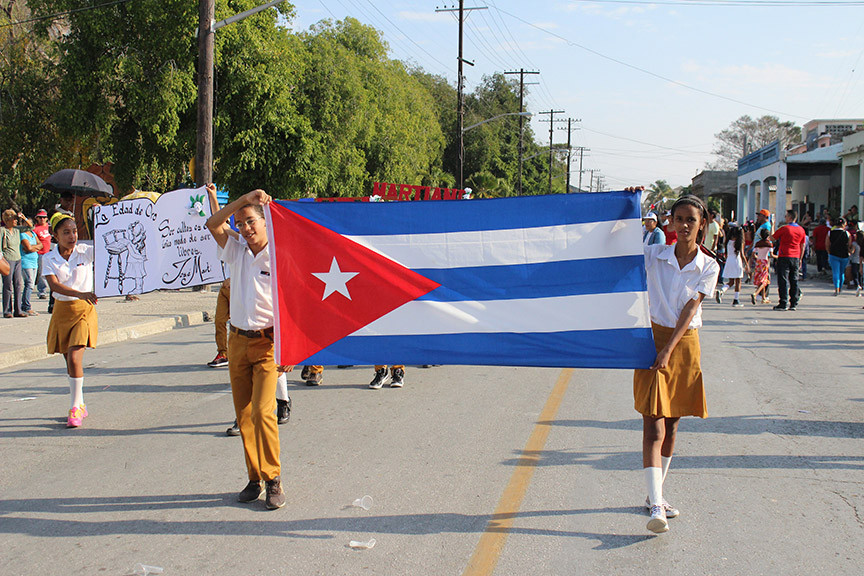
(78, 182)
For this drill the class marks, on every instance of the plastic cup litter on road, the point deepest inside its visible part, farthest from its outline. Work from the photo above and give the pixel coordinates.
(365, 503)
(358, 545)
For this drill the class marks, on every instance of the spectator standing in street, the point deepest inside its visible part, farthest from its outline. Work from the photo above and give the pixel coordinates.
(679, 278)
(30, 246)
(855, 262)
(712, 233)
(250, 347)
(13, 283)
(763, 251)
(820, 246)
(791, 238)
(669, 229)
(74, 324)
(736, 266)
(43, 232)
(839, 248)
(653, 234)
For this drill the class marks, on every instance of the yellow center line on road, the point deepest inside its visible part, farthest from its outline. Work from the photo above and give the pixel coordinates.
(491, 544)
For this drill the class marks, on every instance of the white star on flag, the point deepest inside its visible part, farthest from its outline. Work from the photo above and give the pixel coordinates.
(335, 280)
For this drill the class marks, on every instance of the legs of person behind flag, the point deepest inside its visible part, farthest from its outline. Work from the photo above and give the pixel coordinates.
(312, 375)
(253, 387)
(223, 315)
(396, 376)
(283, 401)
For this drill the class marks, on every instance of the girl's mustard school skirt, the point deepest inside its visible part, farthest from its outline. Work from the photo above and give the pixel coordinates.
(72, 324)
(676, 390)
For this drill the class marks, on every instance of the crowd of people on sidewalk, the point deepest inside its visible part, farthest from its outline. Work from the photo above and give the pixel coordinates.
(748, 252)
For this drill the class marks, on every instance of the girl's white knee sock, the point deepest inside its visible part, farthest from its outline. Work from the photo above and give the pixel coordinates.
(76, 391)
(282, 387)
(654, 483)
(666, 461)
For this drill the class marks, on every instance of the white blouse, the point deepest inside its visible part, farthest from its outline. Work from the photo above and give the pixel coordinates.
(75, 273)
(670, 288)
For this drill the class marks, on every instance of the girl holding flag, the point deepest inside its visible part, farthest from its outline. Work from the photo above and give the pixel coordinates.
(68, 269)
(679, 277)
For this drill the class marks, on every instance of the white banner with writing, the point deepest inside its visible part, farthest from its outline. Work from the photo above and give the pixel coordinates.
(143, 245)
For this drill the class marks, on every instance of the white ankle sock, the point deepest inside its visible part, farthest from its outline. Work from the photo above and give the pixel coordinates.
(76, 391)
(736, 295)
(654, 483)
(282, 387)
(725, 287)
(666, 460)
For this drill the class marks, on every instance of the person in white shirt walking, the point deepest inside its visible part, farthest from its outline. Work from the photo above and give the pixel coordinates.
(251, 362)
(68, 269)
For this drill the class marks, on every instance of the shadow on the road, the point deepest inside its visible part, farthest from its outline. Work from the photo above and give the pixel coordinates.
(633, 461)
(56, 427)
(316, 528)
(739, 425)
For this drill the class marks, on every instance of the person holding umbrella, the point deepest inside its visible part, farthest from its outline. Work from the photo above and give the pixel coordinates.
(68, 269)
(73, 186)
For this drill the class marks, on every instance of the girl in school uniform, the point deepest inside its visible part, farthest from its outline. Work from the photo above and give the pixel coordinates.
(736, 265)
(68, 269)
(679, 278)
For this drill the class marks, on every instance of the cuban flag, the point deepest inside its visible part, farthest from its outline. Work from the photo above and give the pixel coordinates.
(554, 281)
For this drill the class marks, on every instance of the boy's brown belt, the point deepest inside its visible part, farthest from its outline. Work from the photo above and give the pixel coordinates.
(265, 333)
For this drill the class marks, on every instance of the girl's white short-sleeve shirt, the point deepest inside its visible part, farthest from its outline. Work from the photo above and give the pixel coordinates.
(670, 288)
(75, 273)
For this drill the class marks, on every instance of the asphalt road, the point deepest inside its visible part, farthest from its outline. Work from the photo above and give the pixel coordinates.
(473, 470)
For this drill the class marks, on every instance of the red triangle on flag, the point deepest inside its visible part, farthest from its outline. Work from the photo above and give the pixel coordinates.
(327, 286)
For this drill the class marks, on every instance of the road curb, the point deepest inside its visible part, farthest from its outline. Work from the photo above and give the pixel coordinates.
(40, 351)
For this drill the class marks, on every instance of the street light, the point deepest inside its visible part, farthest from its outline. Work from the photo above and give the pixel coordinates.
(526, 114)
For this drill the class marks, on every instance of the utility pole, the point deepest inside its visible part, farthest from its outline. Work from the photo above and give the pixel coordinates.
(551, 121)
(207, 27)
(460, 89)
(591, 181)
(522, 85)
(569, 149)
(581, 150)
(204, 148)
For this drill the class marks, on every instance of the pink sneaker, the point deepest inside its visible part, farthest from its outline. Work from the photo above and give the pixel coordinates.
(75, 418)
(83, 408)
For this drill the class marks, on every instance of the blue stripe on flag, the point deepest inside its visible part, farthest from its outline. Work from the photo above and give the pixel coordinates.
(623, 348)
(439, 216)
(543, 280)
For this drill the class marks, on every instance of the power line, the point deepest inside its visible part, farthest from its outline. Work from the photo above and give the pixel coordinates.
(737, 3)
(64, 13)
(648, 72)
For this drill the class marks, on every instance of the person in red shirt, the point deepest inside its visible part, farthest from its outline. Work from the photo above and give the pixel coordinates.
(791, 238)
(820, 233)
(44, 235)
(669, 230)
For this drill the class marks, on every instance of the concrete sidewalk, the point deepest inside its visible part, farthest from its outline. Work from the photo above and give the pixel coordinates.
(23, 339)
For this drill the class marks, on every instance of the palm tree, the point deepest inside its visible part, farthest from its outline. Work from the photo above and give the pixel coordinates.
(657, 194)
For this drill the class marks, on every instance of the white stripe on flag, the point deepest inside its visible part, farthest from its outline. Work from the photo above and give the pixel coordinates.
(509, 247)
(558, 314)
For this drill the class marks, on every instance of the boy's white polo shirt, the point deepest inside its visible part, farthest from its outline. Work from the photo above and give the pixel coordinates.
(75, 273)
(251, 294)
(670, 288)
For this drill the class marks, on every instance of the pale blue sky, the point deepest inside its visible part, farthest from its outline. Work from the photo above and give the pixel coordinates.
(795, 62)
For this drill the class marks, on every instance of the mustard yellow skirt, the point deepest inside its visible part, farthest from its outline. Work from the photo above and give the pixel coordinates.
(72, 324)
(676, 390)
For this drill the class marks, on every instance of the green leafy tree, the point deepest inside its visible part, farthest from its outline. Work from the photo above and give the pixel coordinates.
(31, 147)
